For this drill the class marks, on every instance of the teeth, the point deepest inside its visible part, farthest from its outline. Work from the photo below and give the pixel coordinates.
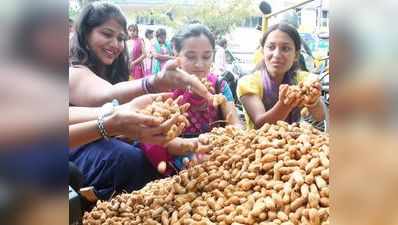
(109, 52)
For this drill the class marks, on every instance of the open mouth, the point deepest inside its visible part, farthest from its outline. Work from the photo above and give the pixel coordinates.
(109, 53)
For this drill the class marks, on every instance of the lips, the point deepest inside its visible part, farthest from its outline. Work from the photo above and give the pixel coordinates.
(110, 53)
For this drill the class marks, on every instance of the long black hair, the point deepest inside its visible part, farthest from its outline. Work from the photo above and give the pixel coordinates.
(94, 15)
(292, 33)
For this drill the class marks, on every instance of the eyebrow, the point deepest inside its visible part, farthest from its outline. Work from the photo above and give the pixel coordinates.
(111, 30)
(284, 43)
(189, 52)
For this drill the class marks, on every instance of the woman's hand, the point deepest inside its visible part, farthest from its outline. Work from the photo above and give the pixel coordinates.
(291, 101)
(169, 78)
(182, 146)
(131, 124)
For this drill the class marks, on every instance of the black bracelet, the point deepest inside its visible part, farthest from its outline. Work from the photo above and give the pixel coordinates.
(148, 86)
(144, 86)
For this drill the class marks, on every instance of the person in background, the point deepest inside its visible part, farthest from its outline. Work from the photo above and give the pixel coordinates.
(220, 59)
(161, 51)
(263, 93)
(148, 41)
(137, 53)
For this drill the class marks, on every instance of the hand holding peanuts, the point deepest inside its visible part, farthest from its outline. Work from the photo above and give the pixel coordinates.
(165, 110)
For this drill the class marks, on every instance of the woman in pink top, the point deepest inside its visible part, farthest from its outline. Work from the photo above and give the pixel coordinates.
(195, 46)
(138, 53)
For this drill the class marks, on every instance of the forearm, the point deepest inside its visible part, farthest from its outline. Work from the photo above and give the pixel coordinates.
(277, 112)
(162, 57)
(82, 114)
(83, 133)
(125, 91)
(139, 59)
(230, 114)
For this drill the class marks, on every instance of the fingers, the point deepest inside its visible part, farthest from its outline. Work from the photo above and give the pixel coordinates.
(171, 65)
(185, 107)
(147, 120)
(197, 87)
(178, 99)
(165, 126)
(164, 95)
(283, 91)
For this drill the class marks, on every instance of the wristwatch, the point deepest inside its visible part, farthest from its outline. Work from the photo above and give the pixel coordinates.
(106, 110)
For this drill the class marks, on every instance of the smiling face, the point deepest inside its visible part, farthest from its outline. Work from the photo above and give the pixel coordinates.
(279, 53)
(196, 55)
(107, 41)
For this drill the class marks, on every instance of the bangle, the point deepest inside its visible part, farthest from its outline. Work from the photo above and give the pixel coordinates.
(144, 85)
(147, 86)
(101, 128)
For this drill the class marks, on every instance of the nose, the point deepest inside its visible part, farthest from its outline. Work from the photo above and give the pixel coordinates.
(277, 52)
(115, 44)
(200, 63)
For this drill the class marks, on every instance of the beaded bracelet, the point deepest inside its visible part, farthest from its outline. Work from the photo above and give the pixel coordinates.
(101, 128)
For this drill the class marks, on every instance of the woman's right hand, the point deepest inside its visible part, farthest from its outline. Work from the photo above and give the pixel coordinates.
(289, 101)
(169, 78)
(131, 124)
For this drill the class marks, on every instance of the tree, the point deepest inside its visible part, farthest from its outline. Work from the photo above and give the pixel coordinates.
(221, 15)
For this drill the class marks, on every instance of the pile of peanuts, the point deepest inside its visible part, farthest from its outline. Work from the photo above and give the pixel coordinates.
(166, 110)
(278, 174)
(305, 91)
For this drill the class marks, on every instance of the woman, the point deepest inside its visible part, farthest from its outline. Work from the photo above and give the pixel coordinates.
(138, 53)
(98, 74)
(161, 51)
(195, 46)
(262, 94)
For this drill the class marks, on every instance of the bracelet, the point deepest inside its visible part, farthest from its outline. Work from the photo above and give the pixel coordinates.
(144, 85)
(101, 128)
(147, 86)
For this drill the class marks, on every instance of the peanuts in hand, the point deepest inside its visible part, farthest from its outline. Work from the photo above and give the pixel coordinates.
(166, 110)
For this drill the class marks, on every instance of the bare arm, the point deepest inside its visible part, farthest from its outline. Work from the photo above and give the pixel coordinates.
(83, 133)
(230, 114)
(87, 89)
(82, 114)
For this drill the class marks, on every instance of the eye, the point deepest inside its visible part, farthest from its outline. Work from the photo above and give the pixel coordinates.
(107, 34)
(286, 48)
(122, 38)
(207, 57)
(270, 47)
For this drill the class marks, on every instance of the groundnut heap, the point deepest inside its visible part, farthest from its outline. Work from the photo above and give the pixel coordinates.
(278, 174)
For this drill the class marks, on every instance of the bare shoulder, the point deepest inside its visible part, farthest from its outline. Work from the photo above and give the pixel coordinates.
(77, 73)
